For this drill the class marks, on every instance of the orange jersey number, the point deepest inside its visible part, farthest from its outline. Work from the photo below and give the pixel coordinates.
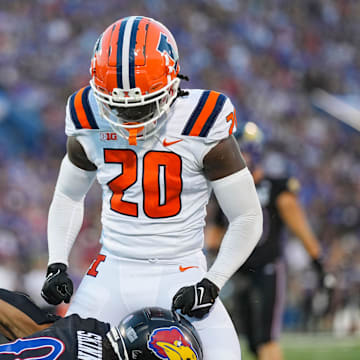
(162, 184)
(128, 177)
(162, 167)
(232, 117)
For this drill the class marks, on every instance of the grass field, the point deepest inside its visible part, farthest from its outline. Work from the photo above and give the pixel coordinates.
(314, 347)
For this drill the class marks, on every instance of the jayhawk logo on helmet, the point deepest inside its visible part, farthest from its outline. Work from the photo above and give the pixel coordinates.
(171, 344)
(134, 75)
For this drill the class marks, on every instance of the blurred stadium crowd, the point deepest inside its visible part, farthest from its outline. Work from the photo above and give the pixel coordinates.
(267, 56)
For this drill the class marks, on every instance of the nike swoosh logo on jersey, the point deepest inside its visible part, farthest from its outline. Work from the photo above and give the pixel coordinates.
(168, 143)
(182, 269)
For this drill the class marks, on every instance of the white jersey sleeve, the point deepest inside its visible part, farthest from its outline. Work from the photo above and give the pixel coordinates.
(225, 123)
(70, 129)
(212, 119)
(80, 115)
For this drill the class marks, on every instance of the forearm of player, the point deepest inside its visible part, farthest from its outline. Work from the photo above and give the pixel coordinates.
(239, 201)
(67, 210)
(295, 219)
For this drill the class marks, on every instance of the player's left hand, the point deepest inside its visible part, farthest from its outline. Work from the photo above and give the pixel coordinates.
(326, 280)
(196, 300)
(318, 267)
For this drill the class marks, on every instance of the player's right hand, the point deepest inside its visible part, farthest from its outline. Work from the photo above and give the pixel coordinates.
(196, 300)
(58, 286)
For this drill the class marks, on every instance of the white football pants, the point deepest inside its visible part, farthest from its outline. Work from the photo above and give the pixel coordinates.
(118, 286)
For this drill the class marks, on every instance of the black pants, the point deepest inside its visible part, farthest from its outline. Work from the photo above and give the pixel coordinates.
(260, 302)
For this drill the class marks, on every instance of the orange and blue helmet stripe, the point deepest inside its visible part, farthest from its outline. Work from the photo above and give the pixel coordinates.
(126, 52)
(119, 53)
(80, 110)
(134, 31)
(205, 114)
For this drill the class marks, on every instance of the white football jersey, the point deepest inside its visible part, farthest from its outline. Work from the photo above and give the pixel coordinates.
(154, 193)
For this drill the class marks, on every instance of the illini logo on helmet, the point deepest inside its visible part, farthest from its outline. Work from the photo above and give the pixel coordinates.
(170, 344)
(165, 47)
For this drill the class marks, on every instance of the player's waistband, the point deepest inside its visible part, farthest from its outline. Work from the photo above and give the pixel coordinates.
(191, 256)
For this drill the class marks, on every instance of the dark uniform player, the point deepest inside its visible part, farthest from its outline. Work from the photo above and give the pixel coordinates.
(262, 295)
(261, 279)
(68, 338)
(150, 333)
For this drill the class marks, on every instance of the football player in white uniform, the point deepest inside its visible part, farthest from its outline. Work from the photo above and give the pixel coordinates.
(158, 152)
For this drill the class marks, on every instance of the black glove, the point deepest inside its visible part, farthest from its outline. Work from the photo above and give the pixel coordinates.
(326, 280)
(317, 264)
(58, 286)
(196, 300)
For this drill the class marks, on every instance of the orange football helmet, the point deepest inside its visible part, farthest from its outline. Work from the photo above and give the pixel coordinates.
(134, 72)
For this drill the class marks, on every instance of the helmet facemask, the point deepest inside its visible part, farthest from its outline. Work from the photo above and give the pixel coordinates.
(135, 116)
(117, 343)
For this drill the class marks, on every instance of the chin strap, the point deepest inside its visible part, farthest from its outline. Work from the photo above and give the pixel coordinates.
(132, 137)
(133, 134)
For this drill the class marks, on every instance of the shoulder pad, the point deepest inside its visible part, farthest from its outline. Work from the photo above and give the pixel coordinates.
(205, 113)
(80, 111)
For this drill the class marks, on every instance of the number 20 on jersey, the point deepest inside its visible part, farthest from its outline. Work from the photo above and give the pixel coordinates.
(161, 182)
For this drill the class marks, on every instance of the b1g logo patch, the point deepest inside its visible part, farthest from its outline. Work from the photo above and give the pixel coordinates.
(170, 344)
(108, 136)
(42, 348)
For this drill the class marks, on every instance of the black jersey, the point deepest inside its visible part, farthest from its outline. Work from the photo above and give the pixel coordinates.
(70, 338)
